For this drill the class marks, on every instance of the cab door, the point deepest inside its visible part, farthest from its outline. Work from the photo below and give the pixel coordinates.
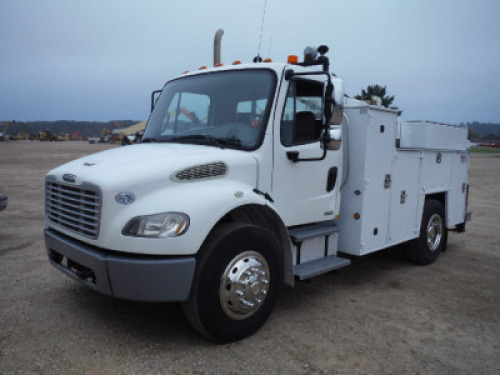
(303, 191)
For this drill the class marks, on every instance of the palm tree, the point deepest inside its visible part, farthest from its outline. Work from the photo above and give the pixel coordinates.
(376, 90)
(379, 91)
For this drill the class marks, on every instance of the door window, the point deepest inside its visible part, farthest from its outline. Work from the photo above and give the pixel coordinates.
(301, 120)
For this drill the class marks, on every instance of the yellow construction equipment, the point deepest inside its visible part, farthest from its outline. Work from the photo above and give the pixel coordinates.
(47, 135)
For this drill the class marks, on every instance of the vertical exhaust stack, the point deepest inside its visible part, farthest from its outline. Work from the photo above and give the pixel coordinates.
(218, 37)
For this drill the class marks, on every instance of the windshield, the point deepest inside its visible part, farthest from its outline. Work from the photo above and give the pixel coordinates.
(223, 109)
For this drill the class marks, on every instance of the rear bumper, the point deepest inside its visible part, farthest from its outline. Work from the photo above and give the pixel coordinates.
(131, 277)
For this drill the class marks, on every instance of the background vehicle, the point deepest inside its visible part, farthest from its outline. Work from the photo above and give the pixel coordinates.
(3, 202)
(4, 136)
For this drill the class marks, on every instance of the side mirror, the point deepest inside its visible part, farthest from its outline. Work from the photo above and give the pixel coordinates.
(338, 95)
(337, 115)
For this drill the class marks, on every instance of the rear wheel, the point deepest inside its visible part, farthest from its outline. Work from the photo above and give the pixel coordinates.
(433, 235)
(236, 284)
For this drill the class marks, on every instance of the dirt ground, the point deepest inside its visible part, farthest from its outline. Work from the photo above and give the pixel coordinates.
(381, 315)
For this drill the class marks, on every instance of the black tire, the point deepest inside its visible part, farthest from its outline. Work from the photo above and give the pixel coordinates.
(228, 252)
(426, 248)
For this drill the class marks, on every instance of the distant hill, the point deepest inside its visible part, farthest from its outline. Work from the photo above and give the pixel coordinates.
(485, 130)
(86, 128)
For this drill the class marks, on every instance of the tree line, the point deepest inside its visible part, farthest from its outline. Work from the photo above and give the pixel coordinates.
(86, 128)
(483, 131)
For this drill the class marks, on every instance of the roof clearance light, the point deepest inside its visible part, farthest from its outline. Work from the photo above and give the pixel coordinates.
(219, 64)
(268, 60)
(203, 67)
(185, 72)
(237, 62)
(293, 59)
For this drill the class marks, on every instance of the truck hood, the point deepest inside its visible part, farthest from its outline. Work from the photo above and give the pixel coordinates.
(136, 165)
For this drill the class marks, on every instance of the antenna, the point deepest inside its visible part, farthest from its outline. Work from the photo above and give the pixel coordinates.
(262, 27)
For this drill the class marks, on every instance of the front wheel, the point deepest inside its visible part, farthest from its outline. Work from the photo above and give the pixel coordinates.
(236, 284)
(433, 235)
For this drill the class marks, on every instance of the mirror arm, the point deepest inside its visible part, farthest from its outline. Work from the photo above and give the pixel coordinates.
(293, 156)
(153, 101)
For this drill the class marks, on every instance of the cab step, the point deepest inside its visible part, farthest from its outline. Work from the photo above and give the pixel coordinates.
(307, 232)
(319, 266)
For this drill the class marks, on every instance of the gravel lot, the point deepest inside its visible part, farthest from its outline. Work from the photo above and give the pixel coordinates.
(381, 315)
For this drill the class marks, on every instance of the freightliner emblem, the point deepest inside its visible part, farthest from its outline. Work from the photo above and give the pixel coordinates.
(69, 177)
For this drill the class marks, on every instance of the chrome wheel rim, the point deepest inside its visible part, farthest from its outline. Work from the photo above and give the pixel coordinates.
(434, 232)
(244, 285)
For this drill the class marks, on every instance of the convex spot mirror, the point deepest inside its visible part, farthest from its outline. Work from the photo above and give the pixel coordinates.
(335, 137)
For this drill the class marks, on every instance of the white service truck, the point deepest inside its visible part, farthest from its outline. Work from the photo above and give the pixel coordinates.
(251, 176)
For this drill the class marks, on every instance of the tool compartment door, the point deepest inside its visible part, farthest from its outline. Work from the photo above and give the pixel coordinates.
(455, 199)
(378, 180)
(405, 197)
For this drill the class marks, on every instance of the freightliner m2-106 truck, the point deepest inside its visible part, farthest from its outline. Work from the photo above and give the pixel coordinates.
(248, 177)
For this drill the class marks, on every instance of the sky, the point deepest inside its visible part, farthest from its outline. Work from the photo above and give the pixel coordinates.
(97, 60)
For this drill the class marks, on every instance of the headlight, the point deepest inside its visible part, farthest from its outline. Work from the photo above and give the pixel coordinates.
(169, 224)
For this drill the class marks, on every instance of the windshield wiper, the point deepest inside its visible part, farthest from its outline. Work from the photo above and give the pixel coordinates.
(146, 140)
(198, 137)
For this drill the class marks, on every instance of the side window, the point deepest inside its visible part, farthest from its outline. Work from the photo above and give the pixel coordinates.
(186, 111)
(301, 121)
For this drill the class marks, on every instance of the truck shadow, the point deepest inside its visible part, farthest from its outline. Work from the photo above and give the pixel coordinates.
(165, 322)
(380, 269)
(140, 321)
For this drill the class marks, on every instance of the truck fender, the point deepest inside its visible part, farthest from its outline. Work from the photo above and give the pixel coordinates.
(265, 216)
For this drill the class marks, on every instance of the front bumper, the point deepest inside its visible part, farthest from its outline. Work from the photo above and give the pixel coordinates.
(131, 277)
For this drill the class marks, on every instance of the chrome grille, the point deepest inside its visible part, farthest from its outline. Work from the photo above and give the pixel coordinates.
(199, 172)
(75, 208)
